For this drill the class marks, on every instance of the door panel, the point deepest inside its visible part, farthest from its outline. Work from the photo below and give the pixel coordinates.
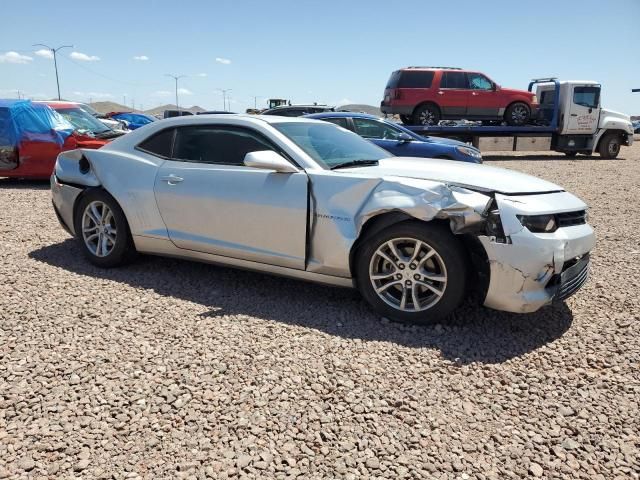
(235, 211)
(584, 110)
(453, 95)
(483, 101)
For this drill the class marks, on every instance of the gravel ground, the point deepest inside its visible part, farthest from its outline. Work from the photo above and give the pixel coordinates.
(172, 369)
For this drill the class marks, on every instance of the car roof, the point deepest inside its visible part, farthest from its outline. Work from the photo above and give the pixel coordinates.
(343, 115)
(206, 118)
(58, 103)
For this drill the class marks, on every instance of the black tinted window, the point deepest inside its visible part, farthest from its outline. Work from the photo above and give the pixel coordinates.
(159, 143)
(454, 80)
(213, 144)
(340, 121)
(586, 96)
(416, 79)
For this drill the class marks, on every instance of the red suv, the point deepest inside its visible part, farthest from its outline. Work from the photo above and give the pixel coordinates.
(426, 95)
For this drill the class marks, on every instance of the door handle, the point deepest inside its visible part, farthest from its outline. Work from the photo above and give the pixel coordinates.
(172, 179)
(440, 92)
(574, 114)
(474, 93)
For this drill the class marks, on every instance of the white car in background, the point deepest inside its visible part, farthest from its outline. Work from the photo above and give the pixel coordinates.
(310, 200)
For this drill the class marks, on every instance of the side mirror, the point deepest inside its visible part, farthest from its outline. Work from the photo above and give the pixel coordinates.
(405, 137)
(268, 160)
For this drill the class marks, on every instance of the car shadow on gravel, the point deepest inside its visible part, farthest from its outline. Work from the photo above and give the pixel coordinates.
(20, 184)
(473, 334)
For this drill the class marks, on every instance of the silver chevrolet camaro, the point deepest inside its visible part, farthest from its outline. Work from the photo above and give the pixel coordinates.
(311, 200)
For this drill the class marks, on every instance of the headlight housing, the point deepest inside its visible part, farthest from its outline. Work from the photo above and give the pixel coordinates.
(471, 152)
(539, 223)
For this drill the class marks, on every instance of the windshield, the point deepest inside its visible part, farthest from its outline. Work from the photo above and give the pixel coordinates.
(330, 145)
(82, 121)
(89, 110)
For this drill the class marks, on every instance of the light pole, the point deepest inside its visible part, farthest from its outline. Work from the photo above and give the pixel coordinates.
(55, 62)
(175, 77)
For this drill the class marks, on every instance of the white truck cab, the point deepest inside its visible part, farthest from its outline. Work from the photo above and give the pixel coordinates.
(583, 125)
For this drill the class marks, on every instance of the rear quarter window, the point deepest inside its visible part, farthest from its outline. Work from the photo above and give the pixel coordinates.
(159, 144)
(414, 79)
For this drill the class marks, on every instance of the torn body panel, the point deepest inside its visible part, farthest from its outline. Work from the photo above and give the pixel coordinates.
(341, 206)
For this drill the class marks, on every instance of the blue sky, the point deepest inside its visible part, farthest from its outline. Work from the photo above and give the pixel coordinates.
(326, 51)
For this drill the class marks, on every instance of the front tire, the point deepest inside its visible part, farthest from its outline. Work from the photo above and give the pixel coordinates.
(609, 146)
(412, 272)
(517, 114)
(102, 230)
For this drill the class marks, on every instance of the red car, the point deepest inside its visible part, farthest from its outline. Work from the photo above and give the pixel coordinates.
(31, 137)
(426, 95)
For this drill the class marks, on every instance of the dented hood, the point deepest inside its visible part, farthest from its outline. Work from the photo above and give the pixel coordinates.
(469, 175)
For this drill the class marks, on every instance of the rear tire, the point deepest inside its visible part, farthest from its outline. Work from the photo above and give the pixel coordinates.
(517, 114)
(428, 114)
(412, 286)
(102, 230)
(609, 146)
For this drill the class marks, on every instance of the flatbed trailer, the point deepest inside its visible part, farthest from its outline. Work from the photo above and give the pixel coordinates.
(569, 120)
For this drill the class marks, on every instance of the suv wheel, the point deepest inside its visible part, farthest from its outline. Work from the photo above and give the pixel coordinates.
(428, 114)
(517, 114)
(412, 272)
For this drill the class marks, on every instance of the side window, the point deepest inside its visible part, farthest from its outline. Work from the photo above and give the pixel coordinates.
(340, 121)
(454, 80)
(477, 81)
(417, 79)
(217, 144)
(374, 129)
(159, 144)
(587, 96)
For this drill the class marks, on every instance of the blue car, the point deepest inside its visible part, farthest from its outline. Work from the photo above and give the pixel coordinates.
(398, 140)
(134, 120)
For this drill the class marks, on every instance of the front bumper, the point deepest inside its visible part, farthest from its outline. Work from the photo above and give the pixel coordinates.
(535, 269)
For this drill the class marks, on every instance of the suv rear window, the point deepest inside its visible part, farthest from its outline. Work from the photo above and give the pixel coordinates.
(410, 79)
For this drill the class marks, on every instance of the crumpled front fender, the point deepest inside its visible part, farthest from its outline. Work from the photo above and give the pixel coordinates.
(340, 207)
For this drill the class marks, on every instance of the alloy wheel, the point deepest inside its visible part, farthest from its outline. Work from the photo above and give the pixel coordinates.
(519, 114)
(99, 228)
(408, 274)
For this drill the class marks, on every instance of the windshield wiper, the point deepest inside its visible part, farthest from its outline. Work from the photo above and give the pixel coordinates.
(355, 163)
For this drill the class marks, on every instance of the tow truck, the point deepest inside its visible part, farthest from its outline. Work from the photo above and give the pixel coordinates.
(570, 120)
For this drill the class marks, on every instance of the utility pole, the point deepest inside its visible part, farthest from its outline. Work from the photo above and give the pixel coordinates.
(224, 97)
(176, 78)
(255, 101)
(124, 100)
(55, 61)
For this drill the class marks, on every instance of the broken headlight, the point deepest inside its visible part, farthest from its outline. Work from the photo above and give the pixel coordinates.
(493, 225)
(539, 223)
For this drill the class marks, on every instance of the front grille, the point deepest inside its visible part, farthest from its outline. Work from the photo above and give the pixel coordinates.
(573, 276)
(569, 219)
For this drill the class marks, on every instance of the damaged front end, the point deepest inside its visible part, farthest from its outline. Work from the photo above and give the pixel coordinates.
(529, 269)
(525, 270)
